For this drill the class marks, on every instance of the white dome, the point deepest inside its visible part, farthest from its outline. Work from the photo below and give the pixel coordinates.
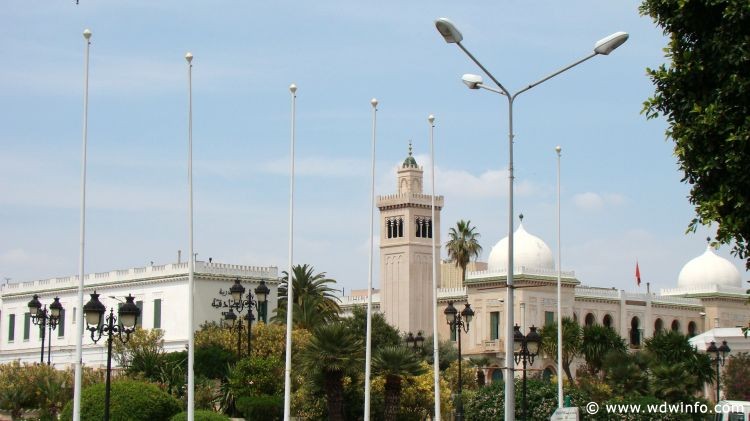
(709, 269)
(529, 251)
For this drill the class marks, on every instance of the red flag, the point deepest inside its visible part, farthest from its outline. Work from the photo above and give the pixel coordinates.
(637, 273)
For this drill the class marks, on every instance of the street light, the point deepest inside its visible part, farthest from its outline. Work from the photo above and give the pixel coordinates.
(414, 342)
(452, 35)
(525, 348)
(125, 322)
(45, 318)
(720, 356)
(240, 302)
(459, 321)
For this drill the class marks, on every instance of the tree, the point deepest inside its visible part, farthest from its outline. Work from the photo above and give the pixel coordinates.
(704, 93)
(314, 300)
(672, 349)
(736, 377)
(627, 374)
(395, 362)
(332, 353)
(463, 245)
(383, 334)
(142, 353)
(597, 341)
(571, 339)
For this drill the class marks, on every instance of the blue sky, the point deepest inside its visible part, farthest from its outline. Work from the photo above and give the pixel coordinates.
(622, 197)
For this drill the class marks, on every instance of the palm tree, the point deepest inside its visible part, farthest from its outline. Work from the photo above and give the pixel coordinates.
(395, 363)
(571, 342)
(480, 363)
(332, 353)
(598, 340)
(314, 298)
(463, 245)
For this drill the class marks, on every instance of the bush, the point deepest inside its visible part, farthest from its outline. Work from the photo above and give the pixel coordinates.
(201, 415)
(263, 407)
(130, 400)
(257, 376)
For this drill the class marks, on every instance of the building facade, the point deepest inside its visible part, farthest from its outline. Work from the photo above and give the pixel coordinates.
(161, 292)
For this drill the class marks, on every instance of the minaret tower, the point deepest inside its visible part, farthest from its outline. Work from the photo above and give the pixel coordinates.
(406, 230)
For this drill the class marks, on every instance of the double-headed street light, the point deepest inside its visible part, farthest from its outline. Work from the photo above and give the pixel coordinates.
(525, 348)
(46, 319)
(125, 323)
(452, 35)
(720, 355)
(240, 302)
(414, 342)
(457, 322)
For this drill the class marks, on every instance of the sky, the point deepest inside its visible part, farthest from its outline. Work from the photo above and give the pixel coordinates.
(622, 198)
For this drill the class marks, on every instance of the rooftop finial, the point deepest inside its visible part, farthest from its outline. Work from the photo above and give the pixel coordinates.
(520, 216)
(410, 147)
(410, 162)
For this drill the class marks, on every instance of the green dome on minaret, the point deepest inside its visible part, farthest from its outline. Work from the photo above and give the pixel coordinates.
(410, 162)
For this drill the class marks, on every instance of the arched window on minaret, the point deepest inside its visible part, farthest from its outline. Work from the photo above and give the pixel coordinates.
(389, 227)
(400, 227)
(429, 228)
(419, 227)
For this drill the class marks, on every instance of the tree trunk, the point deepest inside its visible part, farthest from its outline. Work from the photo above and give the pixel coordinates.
(566, 368)
(334, 395)
(392, 398)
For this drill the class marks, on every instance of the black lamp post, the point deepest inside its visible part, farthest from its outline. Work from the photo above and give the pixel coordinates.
(719, 358)
(240, 302)
(415, 342)
(525, 348)
(45, 319)
(459, 322)
(125, 322)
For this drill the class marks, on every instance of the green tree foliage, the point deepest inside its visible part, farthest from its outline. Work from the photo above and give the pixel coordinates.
(142, 353)
(257, 376)
(315, 302)
(735, 380)
(394, 363)
(130, 401)
(463, 245)
(572, 341)
(704, 93)
(678, 369)
(35, 387)
(383, 334)
(262, 407)
(201, 415)
(333, 352)
(447, 352)
(597, 341)
(417, 396)
(627, 374)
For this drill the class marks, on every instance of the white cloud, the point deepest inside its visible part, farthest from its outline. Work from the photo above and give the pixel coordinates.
(591, 201)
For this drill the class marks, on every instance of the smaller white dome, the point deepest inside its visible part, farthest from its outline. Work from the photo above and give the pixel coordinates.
(529, 251)
(709, 269)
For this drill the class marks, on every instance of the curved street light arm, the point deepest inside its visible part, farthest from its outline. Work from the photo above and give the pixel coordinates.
(487, 72)
(546, 78)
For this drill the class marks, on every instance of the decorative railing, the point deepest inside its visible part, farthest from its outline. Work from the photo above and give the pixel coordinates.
(519, 270)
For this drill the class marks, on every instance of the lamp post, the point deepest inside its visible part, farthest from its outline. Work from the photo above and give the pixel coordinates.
(525, 348)
(414, 342)
(452, 35)
(719, 358)
(240, 302)
(124, 323)
(45, 319)
(459, 321)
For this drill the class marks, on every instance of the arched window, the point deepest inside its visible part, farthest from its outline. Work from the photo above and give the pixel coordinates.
(429, 228)
(692, 329)
(675, 325)
(575, 317)
(497, 375)
(419, 227)
(658, 326)
(590, 319)
(635, 334)
(400, 227)
(547, 374)
(389, 227)
(607, 321)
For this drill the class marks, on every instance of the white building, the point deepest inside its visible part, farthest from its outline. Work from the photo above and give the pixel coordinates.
(161, 292)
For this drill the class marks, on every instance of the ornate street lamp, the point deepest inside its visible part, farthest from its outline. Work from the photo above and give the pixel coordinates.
(241, 302)
(457, 322)
(415, 342)
(719, 358)
(525, 348)
(46, 319)
(124, 323)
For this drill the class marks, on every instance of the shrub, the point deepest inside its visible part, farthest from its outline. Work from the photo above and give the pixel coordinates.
(257, 376)
(263, 407)
(130, 400)
(201, 415)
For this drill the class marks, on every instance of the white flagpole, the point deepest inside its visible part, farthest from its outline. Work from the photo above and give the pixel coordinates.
(77, 383)
(191, 252)
(290, 274)
(368, 341)
(558, 149)
(435, 343)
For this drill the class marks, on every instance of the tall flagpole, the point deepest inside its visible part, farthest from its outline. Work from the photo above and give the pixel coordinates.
(435, 342)
(368, 341)
(290, 274)
(191, 252)
(558, 149)
(77, 384)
